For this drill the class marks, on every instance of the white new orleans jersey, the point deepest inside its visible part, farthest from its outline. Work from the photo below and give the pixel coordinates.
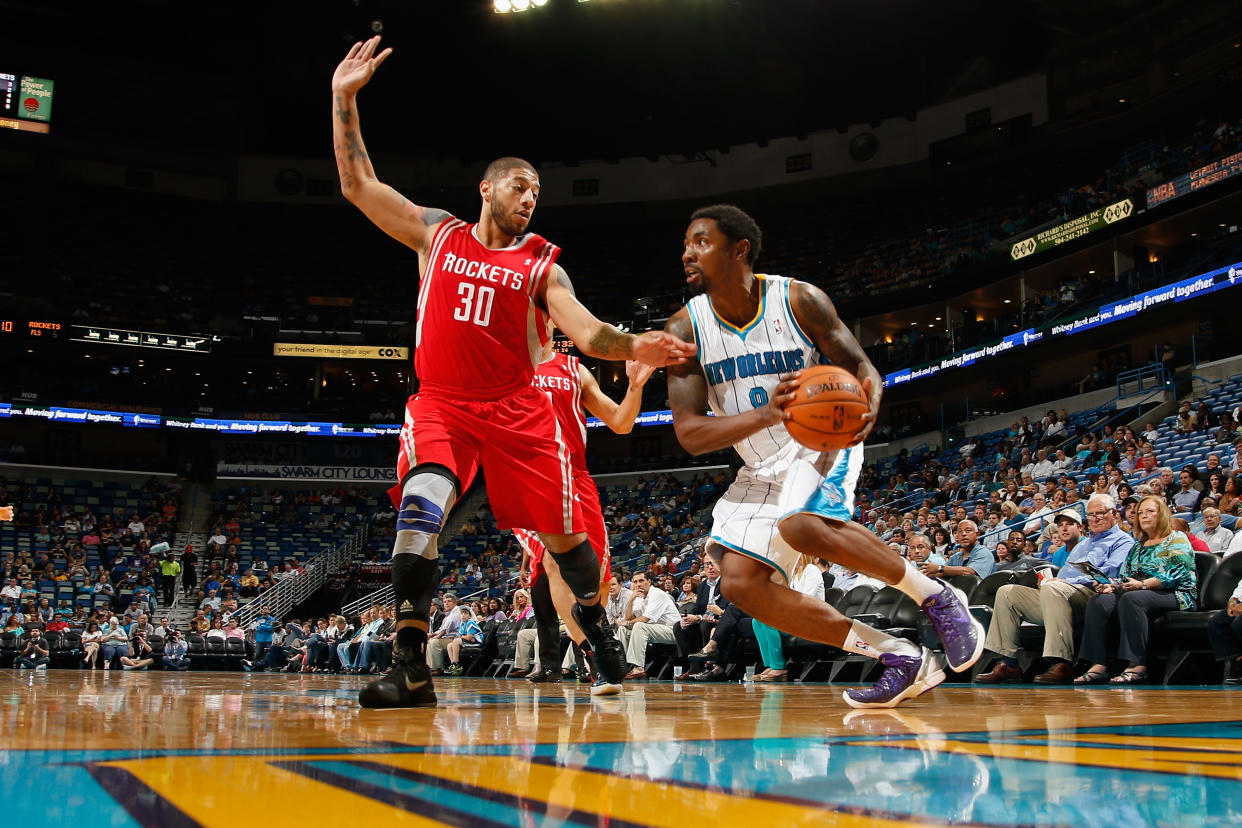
(780, 477)
(743, 367)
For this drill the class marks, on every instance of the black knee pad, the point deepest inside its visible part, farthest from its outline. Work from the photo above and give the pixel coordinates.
(580, 569)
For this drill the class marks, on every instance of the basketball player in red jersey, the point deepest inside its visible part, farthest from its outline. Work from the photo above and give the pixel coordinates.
(570, 387)
(483, 292)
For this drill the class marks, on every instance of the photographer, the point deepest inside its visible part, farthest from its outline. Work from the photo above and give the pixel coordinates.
(36, 654)
(174, 652)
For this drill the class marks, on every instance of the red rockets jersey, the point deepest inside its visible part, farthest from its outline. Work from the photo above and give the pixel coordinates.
(480, 334)
(558, 378)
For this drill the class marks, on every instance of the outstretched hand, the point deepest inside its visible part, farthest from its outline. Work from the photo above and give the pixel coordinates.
(638, 373)
(358, 66)
(657, 349)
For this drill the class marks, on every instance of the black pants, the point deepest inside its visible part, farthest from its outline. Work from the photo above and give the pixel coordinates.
(168, 589)
(733, 622)
(1134, 612)
(1225, 633)
(693, 638)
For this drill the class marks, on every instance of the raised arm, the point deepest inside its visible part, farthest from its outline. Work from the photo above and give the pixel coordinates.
(617, 416)
(687, 394)
(815, 314)
(599, 339)
(392, 212)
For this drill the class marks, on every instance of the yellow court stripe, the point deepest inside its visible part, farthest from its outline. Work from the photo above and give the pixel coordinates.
(1216, 745)
(665, 805)
(1190, 763)
(231, 791)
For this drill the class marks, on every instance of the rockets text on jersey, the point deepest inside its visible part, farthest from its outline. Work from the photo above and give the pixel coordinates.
(558, 377)
(479, 333)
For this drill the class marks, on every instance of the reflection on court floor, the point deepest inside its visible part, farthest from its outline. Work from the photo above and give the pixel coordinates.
(218, 749)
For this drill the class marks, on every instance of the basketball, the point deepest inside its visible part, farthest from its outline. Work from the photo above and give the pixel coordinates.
(827, 410)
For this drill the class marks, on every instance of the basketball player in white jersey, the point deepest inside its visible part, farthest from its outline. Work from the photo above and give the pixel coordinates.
(754, 334)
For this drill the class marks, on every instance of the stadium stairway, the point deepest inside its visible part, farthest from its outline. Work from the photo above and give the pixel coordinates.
(465, 510)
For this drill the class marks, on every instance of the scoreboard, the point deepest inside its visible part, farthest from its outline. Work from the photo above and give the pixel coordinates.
(25, 102)
(26, 328)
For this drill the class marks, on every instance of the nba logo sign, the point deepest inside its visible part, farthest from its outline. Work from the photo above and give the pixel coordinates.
(838, 417)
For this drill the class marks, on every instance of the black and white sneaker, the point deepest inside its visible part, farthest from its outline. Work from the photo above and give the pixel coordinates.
(548, 676)
(407, 684)
(607, 654)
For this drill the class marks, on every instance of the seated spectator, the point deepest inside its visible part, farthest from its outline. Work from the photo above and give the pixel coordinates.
(1058, 601)
(808, 579)
(90, 644)
(694, 629)
(1185, 498)
(654, 615)
(174, 657)
(449, 629)
(469, 633)
(114, 643)
(1158, 576)
(969, 557)
(36, 654)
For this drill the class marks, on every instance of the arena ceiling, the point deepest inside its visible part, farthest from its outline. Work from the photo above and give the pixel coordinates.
(570, 80)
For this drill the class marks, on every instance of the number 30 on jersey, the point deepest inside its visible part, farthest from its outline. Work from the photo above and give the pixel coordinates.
(476, 304)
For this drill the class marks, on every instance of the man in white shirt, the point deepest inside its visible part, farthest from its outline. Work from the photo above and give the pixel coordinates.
(1043, 466)
(1213, 534)
(438, 640)
(618, 600)
(654, 614)
(13, 590)
(1039, 513)
(136, 526)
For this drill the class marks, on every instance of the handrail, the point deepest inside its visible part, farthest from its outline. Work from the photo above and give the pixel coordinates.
(294, 589)
(1155, 370)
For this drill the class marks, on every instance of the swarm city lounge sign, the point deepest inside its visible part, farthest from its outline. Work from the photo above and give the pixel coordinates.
(1072, 229)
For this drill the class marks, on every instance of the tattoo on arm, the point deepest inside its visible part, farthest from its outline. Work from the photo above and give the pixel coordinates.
(818, 317)
(607, 341)
(427, 215)
(680, 327)
(562, 279)
(354, 145)
(343, 114)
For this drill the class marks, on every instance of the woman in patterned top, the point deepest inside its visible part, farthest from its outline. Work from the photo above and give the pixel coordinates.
(1158, 576)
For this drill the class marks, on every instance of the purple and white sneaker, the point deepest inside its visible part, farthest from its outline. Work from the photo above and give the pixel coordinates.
(960, 633)
(904, 677)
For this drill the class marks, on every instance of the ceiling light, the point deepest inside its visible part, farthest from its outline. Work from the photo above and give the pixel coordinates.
(937, 318)
(541, 2)
(1091, 272)
(1007, 301)
(502, 6)
(520, 5)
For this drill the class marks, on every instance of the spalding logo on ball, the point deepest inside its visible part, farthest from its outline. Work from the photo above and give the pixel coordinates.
(827, 409)
(31, 105)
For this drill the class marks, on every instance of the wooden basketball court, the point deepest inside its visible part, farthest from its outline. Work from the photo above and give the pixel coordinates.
(229, 750)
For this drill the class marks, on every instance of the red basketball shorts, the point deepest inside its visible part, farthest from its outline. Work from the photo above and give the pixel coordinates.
(597, 533)
(515, 440)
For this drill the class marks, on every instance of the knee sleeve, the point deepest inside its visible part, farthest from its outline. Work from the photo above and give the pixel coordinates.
(426, 497)
(580, 569)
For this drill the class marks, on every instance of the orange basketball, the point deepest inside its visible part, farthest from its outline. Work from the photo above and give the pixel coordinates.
(827, 409)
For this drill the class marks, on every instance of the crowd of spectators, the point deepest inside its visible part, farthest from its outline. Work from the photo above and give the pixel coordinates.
(70, 560)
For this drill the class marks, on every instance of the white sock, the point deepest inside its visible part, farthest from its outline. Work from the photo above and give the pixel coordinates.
(871, 642)
(917, 585)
